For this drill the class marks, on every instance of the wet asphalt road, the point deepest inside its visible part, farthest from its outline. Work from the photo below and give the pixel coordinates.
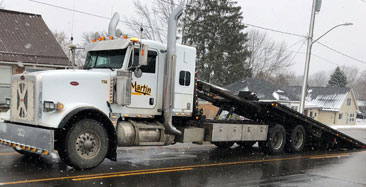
(193, 165)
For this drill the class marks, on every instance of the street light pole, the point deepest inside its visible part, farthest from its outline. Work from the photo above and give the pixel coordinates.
(308, 55)
(315, 8)
(343, 24)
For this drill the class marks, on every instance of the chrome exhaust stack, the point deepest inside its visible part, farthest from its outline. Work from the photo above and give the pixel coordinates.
(170, 69)
(113, 25)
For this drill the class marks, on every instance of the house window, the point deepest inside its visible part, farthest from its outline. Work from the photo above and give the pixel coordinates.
(311, 114)
(348, 102)
(315, 114)
(340, 116)
(352, 117)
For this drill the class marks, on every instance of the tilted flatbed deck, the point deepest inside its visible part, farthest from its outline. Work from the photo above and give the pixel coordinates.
(318, 134)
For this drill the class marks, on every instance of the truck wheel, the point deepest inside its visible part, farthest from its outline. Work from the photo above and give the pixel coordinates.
(223, 145)
(297, 139)
(246, 145)
(26, 153)
(85, 145)
(276, 140)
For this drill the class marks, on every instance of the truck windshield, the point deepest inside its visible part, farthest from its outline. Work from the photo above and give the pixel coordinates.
(105, 59)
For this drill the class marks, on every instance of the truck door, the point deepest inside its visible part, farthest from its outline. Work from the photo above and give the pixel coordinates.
(144, 87)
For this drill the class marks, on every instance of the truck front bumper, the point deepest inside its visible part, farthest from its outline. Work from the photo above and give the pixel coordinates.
(27, 138)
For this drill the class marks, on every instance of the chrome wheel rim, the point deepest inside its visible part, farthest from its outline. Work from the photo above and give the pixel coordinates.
(299, 139)
(87, 145)
(277, 140)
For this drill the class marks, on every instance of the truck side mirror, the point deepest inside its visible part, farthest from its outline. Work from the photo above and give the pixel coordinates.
(143, 53)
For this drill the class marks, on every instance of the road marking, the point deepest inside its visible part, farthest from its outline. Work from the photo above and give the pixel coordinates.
(329, 156)
(9, 154)
(86, 176)
(169, 169)
(136, 173)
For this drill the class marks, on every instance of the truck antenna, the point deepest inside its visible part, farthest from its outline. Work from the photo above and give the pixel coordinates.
(141, 31)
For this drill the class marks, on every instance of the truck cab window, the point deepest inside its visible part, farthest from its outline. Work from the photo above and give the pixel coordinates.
(184, 78)
(105, 59)
(151, 61)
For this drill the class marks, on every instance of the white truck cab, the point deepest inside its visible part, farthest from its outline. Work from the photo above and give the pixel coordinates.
(95, 86)
(127, 94)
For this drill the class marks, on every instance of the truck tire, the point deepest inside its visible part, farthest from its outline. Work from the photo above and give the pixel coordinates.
(297, 139)
(276, 141)
(27, 153)
(85, 145)
(223, 145)
(246, 145)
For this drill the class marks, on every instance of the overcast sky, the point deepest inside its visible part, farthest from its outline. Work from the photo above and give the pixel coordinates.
(291, 16)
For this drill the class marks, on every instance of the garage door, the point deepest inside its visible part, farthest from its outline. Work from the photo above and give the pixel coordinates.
(5, 75)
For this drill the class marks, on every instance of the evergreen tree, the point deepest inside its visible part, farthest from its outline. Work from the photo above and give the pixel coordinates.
(215, 28)
(337, 79)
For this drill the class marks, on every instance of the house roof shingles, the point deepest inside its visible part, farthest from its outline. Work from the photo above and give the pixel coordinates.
(26, 38)
(328, 98)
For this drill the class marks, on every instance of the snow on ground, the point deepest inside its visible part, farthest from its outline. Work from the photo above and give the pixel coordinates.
(4, 115)
(360, 124)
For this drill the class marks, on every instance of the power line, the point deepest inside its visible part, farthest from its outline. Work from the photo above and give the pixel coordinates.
(297, 52)
(273, 30)
(89, 14)
(103, 17)
(301, 40)
(315, 55)
(64, 8)
(341, 53)
(298, 35)
(324, 59)
(277, 49)
(256, 26)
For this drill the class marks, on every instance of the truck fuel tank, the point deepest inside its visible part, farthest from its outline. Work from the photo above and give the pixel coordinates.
(131, 133)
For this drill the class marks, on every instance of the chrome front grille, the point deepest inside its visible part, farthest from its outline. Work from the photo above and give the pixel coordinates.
(22, 101)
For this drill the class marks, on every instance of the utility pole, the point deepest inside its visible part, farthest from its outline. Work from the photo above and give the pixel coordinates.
(315, 9)
(308, 54)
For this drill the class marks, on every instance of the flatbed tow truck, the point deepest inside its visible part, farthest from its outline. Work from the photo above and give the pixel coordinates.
(135, 92)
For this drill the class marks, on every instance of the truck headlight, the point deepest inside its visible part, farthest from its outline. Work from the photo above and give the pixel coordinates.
(7, 100)
(49, 106)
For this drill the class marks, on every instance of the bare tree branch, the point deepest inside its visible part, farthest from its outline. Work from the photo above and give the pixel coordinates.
(351, 73)
(268, 58)
(319, 79)
(361, 86)
(63, 41)
(154, 20)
